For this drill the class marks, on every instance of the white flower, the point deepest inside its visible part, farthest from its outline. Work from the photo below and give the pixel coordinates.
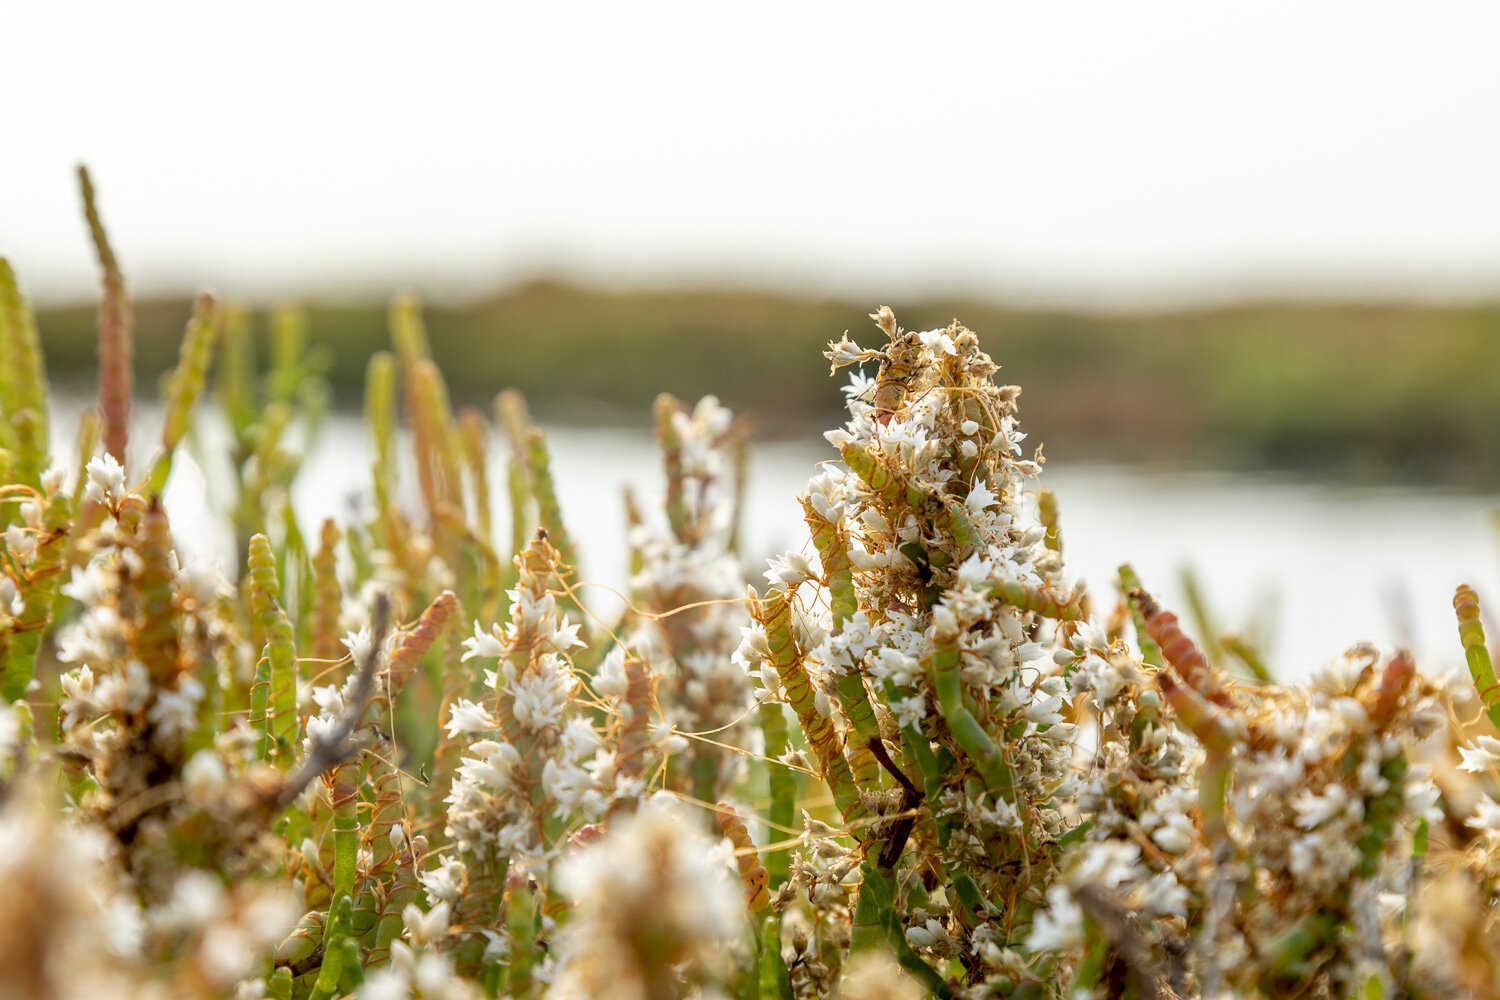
(204, 776)
(1060, 926)
(445, 882)
(318, 730)
(938, 342)
(1483, 755)
(1313, 809)
(467, 717)
(926, 935)
(910, 711)
(610, 680)
(106, 483)
(790, 570)
(424, 928)
(481, 643)
(1164, 896)
(980, 497)
(1175, 835)
(175, 713)
(666, 740)
(1108, 863)
(1486, 814)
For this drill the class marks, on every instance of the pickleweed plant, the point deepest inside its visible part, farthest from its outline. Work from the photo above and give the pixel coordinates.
(404, 757)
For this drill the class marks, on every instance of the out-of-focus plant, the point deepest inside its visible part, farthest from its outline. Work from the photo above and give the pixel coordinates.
(922, 761)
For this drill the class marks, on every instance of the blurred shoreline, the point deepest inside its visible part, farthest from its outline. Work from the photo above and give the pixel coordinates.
(1339, 392)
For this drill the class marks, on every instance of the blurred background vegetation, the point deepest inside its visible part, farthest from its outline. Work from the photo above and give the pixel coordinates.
(1363, 392)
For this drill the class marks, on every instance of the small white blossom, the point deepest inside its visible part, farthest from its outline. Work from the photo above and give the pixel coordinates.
(467, 717)
(1486, 815)
(1482, 755)
(106, 481)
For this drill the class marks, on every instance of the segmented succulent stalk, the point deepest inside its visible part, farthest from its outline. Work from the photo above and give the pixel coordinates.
(279, 651)
(774, 612)
(1180, 651)
(1203, 618)
(898, 366)
(1216, 732)
(832, 543)
(1382, 812)
(782, 786)
(404, 890)
(18, 650)
(157, 643)
(1471, 635)
(877, 924)
(1130, 584)
(943, 674)
(670, 443)
(386, 810)
(328, 597)
(234, 372)
(116, 323)
(345, 838)
(437, 434)
(414, 644)
(634, 735)
(1395, 680)
(457, 682)
(896, 489)
(269, 468)
(740, 457)
(476, 444)
(1046, 508)
(380, 417)
(288, 338)
(23, 385)
(548, 511)
(298, 948)
(187, 382)
(260, 709)
(520, 498)
(753, 875)
(1037, 600)
(775, 977)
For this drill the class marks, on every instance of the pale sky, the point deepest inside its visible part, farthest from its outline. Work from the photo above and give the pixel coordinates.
(1061, 152)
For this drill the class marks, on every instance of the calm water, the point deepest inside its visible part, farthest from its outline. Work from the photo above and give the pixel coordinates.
(1312, 569)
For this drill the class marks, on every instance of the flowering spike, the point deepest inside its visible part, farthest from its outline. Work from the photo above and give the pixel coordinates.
(774, 612)
(669, 441)
(832, 543)
(1037, 600)
(157, 640)
(327, 595)
(186, 383)
(415, 644)
(635, 722)
(23, 383)
(753, 875)
(116, 322)
(943, 674)
(1471, 635)
(1046, 506)
(1180, 651)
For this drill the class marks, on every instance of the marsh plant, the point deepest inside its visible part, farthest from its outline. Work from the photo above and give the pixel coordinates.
(402, 756)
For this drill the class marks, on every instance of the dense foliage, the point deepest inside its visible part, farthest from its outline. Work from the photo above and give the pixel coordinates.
(405, 759)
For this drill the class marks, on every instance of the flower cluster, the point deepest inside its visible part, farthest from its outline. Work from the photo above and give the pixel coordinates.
(687, 583)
